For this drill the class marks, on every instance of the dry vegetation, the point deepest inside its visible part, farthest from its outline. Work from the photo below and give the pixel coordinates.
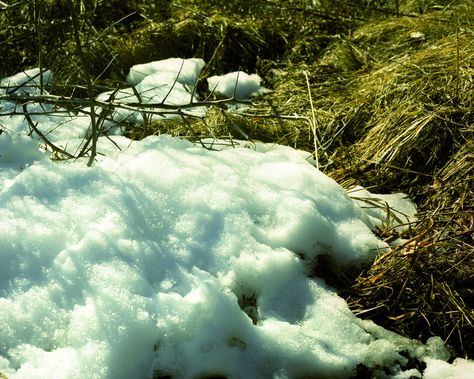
(382, 101)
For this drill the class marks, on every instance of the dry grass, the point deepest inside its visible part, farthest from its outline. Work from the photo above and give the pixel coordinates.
(423, 288)
(413, 114)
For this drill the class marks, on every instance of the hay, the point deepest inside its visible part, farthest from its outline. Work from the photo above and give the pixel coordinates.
(413, 114)
(417, 100)
(423, 288)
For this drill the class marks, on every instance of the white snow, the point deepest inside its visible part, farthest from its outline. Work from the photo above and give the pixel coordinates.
(25, 82)
(170, 82)
(165, 258)
(184, 71)
(239, 85)
(459, 369)
(390, 210)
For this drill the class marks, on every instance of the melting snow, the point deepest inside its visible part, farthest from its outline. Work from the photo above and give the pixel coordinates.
(169, 259)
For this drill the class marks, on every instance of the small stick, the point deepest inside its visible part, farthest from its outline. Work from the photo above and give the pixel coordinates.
(42, 136)
(90, 90)
(313, 120)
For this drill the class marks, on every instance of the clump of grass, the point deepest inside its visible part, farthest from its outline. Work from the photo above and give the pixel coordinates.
(411, 118)
(422, 288)
(417, 107)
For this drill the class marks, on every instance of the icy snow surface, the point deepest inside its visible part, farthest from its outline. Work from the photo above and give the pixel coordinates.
(169, 259)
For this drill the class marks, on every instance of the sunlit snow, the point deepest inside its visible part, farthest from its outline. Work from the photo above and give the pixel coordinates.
(168, 259)
(236, 84)
(26, 82)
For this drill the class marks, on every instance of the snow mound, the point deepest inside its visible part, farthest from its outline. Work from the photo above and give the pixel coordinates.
(167, 82)
(237, 84)
(184, 71)
(169, 259)
(439, 369)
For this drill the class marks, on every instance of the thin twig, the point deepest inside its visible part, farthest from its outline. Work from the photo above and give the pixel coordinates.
(90, 90)
(41, 135)
(39, 32)
(174, 83)
(313, 120)
(68, 101)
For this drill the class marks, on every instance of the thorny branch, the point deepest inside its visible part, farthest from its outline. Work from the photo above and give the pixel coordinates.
(102, 111)
(85, 67)
(42, 136)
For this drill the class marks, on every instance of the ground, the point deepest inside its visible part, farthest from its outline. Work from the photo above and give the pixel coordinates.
(382, 96)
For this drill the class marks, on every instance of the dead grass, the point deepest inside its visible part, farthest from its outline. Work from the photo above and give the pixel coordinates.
(423, 288)
(416, 136)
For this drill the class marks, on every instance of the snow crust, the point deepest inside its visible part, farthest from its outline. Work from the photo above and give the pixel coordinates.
(165, 258)
(459, 369)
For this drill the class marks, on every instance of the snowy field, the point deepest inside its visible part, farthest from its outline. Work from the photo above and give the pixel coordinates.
(168, 259)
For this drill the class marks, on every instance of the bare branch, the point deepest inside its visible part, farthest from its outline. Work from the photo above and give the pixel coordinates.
(42, 136)
(174, 83)
(135, 106)
(90, 90)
